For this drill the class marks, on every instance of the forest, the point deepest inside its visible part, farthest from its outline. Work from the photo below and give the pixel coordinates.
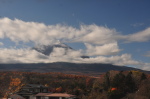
(110, 85)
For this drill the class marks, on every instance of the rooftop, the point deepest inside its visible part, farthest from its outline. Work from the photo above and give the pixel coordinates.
(55, 95)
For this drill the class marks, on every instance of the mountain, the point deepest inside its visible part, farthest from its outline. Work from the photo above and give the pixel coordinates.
(48, 49)
(69, 68)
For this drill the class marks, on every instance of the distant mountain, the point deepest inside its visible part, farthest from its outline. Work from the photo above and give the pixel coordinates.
(48, 49)
(69, 68)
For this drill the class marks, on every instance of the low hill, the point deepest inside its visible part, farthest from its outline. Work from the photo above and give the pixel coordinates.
(69, 68)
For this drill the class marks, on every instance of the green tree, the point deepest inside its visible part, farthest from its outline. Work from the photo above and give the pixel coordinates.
(129, 83)
(106, 82)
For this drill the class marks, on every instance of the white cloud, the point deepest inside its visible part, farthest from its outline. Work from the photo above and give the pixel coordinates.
(99, 41)
(106, 49)
(124, 59)
(147, 54)
(146, 66)
(120, 60)
(96, 34)
(39, 33)
(142, 36)
(32, 56)
(58, 52)
(20, 56)
(61, 52)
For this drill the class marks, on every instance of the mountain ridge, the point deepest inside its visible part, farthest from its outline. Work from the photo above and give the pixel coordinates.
(93, 69)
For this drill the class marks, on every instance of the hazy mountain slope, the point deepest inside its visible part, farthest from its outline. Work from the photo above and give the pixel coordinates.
(71, 68)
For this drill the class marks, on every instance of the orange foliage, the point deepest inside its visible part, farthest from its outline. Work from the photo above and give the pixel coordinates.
(113, 89)
(59, 89)
(15, 82)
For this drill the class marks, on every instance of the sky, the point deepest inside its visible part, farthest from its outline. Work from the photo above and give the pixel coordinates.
(109, 31)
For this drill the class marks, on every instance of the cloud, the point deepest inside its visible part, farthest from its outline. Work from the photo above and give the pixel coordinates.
(40, 33)
(23, 31)
(96, 34)
(31, 56)
(106, 49)
(124, 59)
(62, 52)
(99, 41)
(146, 66)
(120, 60)
(137, 24)
(20, 31)
(142, 36)
(20, 56)
(147, 54)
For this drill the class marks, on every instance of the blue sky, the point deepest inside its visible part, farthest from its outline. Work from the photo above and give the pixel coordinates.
(109, 31)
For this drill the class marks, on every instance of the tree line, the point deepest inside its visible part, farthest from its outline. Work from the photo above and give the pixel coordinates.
(110, 85)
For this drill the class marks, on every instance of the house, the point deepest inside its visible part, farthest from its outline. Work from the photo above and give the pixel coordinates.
(35, 88)
(29, 91)
(55, 96)
(36, 91)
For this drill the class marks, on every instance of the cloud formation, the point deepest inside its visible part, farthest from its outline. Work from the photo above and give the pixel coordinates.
(32, 56)
(20, 56)
(39, 33)
(99, 41)
(147, 54)
(105, 49)
(142, 36)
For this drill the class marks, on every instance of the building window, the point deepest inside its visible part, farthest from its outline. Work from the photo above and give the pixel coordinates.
(44, 90)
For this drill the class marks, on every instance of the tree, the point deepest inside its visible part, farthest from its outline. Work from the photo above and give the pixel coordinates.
(129, 83)
(106, 82)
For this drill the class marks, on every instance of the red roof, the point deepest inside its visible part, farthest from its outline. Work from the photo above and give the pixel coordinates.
(55, 95)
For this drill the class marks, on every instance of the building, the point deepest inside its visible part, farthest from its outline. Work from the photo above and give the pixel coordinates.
(36, 91)
(30, 90)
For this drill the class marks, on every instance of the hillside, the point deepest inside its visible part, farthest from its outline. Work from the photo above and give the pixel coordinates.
(69, 68)
(111, 85)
